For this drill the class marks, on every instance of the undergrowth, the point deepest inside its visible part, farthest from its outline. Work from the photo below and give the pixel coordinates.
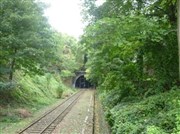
(157, 114)
(30, 94)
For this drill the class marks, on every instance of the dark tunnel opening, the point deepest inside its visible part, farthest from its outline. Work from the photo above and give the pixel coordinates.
(81, 82)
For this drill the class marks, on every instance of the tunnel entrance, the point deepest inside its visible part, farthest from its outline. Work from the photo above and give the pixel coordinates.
(81, 82)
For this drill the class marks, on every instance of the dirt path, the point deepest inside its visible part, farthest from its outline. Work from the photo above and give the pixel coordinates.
(80, 119)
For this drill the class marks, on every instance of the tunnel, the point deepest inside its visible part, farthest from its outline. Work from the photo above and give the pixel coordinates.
(81, 82)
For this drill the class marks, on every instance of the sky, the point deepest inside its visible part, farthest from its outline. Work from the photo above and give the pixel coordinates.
(65, 16)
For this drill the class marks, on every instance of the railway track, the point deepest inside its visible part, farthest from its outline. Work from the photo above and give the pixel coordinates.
(47, 123)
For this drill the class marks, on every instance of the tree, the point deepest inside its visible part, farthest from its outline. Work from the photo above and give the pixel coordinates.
(26, 38)
(178, 32)
(119, 26)
(68, 57)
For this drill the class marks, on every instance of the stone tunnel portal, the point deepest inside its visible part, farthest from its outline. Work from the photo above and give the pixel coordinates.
(81, 82)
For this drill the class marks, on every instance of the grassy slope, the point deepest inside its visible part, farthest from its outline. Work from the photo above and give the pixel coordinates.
(31, 96)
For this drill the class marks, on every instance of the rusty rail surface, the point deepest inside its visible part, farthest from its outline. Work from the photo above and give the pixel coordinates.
(47, 123)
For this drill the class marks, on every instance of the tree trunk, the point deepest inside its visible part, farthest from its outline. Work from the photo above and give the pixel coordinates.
(12, 69)
(178, 33)
(140, 63)
(12, 64)
(140, 57)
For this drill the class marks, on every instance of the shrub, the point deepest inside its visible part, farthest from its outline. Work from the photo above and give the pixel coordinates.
(158, 114)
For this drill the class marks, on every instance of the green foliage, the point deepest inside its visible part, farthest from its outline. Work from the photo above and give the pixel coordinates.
(37, 88)
(25, 37)
(154, 130)
(68, 55)
(117, 53)
(133, 54)
(29, 94)
(34, 89)
(156, 114)
(34, 59)
(66, 73)
(7, 86)
(125, 47)
(29, 45)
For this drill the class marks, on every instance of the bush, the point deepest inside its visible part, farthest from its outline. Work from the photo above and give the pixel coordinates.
(154, 130)
(158, 114)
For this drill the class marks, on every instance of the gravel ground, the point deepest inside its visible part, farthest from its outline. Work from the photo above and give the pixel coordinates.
(101, 126)
(80, 119)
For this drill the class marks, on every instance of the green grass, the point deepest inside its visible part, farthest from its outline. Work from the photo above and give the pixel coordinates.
(11, 121)
(32, 94)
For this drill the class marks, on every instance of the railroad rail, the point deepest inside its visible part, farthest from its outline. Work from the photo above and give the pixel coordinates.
(47, 123)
